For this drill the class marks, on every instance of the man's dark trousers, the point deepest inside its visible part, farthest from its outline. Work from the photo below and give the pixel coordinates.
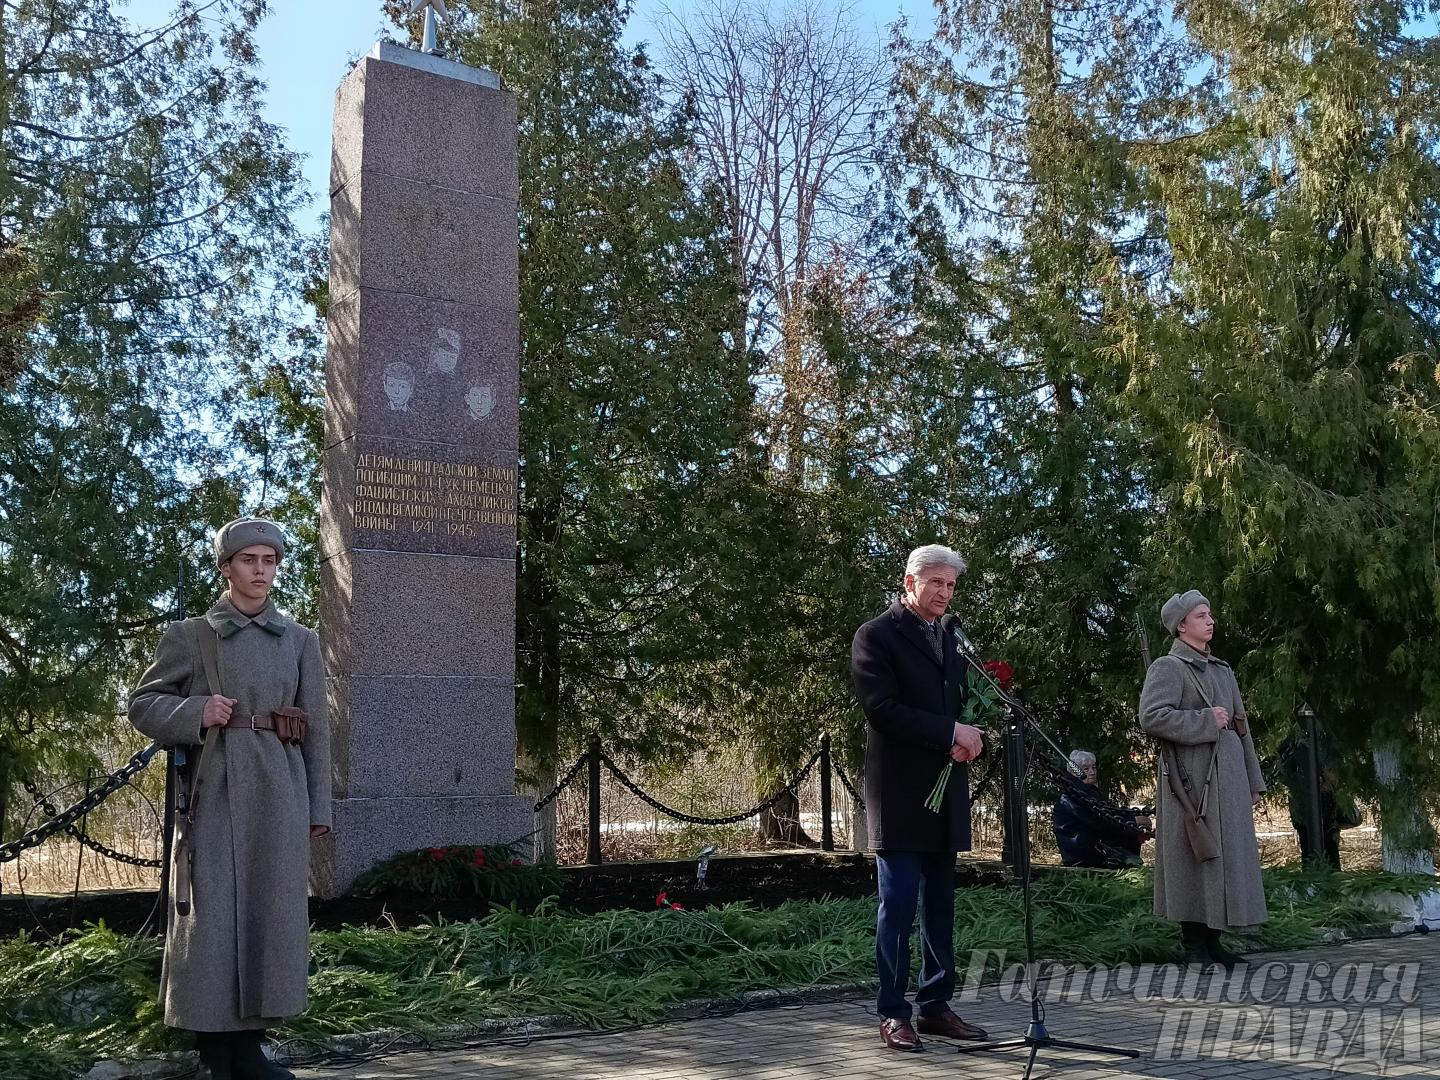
(907, 878)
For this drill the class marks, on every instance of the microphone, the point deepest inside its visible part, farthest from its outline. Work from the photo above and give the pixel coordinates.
(951, 623)
(968, 650)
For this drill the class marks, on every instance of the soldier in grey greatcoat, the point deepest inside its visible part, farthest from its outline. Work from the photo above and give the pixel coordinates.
(1192, 703)
(236, 963)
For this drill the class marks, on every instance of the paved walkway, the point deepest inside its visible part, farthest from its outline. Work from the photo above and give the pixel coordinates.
(1366, 1009)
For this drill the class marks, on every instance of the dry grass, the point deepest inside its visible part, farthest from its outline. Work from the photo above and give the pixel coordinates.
(713, 785)
(716, 784)
(52, 869)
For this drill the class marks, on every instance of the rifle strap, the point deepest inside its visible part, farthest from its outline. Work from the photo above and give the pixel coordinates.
(1199, 806)
(209, 642)
(1237, 722)
(1194, 680)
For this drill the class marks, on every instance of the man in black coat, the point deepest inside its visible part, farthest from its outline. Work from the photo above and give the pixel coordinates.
(910, 680)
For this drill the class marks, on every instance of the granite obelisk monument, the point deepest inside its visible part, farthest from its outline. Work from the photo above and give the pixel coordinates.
(417, 521)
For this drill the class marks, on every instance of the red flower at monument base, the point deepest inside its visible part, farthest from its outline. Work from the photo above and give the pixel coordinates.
(514, 862)
(677, 907)
(662, 900)
(435, 853)
(1001, 672)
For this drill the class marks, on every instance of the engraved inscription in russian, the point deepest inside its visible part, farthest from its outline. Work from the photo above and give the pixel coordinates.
(423, 496)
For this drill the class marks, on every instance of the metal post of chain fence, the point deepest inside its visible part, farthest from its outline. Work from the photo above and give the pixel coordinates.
(827, 831)
(80, 853)
(592, 840)
(1313, 819)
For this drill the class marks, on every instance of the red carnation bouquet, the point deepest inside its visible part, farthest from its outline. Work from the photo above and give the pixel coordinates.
(1001, 672)
(982, 703)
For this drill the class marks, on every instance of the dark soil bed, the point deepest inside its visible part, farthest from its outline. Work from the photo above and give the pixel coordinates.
(763, 880)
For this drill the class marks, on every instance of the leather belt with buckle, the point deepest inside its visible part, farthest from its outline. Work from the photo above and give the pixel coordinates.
(254, 723)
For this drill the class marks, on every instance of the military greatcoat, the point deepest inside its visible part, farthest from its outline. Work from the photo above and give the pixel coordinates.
(239, 960)
(1223, 893)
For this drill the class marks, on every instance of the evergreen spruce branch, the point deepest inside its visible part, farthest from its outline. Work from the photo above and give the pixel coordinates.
(614, 967)
(160, 34)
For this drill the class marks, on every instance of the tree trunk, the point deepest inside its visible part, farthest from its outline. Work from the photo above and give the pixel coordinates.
(859, 826)
(542, 779)
(538, 640)
(781, 823)
(1402, 817)
(4, 787)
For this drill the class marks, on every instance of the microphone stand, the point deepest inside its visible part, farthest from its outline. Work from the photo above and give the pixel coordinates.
(1020, 721)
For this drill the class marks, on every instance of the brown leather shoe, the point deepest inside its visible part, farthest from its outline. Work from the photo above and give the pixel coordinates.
(949, 1026)
(899, 1035)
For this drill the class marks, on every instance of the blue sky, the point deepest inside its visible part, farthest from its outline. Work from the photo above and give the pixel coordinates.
(306, 46)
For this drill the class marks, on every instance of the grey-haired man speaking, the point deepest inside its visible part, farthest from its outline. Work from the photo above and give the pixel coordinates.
(910, 681)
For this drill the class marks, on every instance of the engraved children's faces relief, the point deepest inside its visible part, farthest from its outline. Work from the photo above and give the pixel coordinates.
(444, 358)
(445, 352)
(399, 385)
(479, 400)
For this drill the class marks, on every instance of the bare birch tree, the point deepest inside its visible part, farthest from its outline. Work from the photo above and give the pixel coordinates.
(784, 98)
(785, 103)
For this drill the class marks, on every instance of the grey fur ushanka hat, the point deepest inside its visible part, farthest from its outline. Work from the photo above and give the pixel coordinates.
(1173, 613)
(242, 533)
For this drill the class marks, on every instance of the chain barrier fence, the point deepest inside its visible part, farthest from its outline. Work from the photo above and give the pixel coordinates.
(42, 800)
(694, 819)
(640, 822)
(603, 813)
(67, 821)
(565, 782)
(63, 821)
(115, 807)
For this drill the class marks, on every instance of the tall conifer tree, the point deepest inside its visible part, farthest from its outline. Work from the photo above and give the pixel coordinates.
(144, 222)
(1009, 182)
(1287, 369)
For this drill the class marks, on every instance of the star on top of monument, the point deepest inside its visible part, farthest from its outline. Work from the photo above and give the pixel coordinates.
(432, 8)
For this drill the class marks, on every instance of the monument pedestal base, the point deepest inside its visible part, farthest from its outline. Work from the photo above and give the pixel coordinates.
(368, 831)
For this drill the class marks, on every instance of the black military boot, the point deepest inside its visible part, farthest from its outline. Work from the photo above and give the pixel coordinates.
(214, 1050)
(249, 1061)
(1195, 936)
(1218, 953)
